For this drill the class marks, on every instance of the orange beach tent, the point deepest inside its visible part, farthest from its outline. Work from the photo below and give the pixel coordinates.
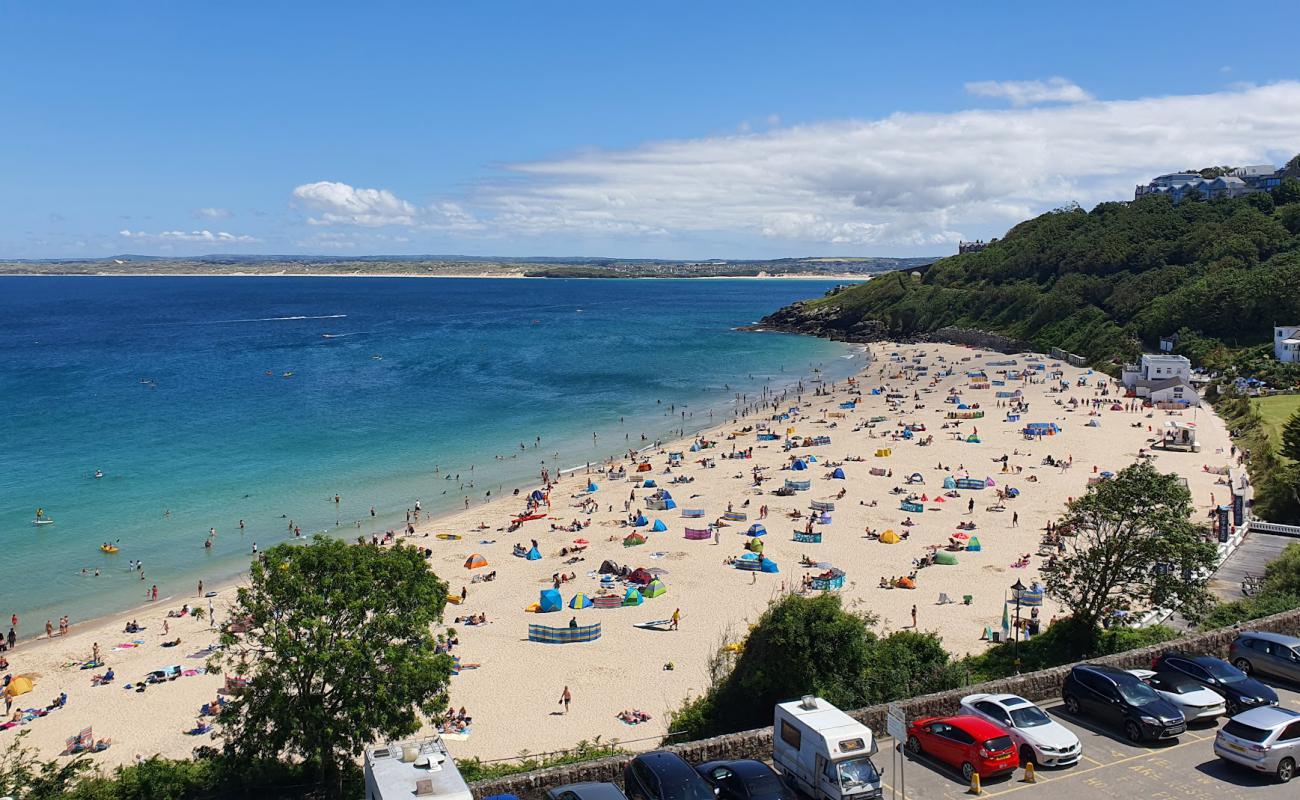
(475, 561)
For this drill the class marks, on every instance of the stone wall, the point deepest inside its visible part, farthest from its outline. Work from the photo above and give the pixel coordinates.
(1038, 686)
(981, 339)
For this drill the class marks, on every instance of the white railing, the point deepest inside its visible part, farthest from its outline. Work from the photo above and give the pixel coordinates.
(1274, 527)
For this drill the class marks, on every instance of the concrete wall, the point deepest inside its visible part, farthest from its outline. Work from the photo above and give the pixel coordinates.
(1043, 685)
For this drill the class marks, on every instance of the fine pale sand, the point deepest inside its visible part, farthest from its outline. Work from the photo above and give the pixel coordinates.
(513, 696)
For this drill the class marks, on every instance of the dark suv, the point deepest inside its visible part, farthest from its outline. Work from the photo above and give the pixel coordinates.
(1121, 700)
(1241, 691)
(664, 776)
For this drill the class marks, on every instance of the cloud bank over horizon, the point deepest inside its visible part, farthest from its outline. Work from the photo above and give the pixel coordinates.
(911, 180)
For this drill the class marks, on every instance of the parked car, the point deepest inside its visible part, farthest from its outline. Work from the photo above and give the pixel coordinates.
(1266, 739)
(586, 791)
(744, 779)
(1195, 701)
(1240, 690)
(1038, 737)
(1116, 698)
(965, 743)
(661, 775)
(1275, 655)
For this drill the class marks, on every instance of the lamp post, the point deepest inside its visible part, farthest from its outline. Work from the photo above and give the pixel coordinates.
(1017, 587)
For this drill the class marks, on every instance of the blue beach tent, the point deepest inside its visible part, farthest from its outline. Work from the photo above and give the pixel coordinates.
(756, 530)
(533, 555)
(550, 600)
(838, 473)
(659, 526)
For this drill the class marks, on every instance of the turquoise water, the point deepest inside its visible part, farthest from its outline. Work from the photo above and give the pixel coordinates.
(162, 383)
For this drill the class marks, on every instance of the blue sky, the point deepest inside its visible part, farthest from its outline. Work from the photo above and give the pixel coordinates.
(676, 130)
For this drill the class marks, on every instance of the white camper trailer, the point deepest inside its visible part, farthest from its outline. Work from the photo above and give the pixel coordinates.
(420, 768)
(823, 752)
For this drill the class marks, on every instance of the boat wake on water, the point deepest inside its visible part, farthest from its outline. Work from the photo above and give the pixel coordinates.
(295, 318)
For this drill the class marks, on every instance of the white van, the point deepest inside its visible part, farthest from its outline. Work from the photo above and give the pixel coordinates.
(823, 752)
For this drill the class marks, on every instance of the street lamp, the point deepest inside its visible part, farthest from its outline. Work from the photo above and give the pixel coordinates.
(1017, 587)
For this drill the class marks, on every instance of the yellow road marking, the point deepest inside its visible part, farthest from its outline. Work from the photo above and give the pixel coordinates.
(1088, 770)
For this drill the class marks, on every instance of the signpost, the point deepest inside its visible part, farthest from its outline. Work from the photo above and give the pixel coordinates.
(896, 726)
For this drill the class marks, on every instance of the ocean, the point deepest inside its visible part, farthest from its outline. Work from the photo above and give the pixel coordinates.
(206, 401)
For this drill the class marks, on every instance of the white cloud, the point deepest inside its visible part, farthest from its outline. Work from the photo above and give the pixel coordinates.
(340, 204)
(206, 237)
(1028, 93)
(910, 180)
(213, 213)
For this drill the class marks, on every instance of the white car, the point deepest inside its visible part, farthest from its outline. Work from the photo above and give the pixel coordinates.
(1038, 737)
(1195, 701)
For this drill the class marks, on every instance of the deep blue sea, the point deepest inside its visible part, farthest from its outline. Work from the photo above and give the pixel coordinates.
(205, 401)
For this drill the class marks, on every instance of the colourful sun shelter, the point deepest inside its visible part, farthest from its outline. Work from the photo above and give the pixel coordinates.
(654, 588)
(475, 561)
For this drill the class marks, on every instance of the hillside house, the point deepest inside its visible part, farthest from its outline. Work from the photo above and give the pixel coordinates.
(1286, 343)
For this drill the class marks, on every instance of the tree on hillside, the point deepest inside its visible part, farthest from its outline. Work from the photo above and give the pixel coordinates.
(25, 776)
(1133, 544)
(338, 653)
(1290, 218)
(1291, 437)
(1288, 192)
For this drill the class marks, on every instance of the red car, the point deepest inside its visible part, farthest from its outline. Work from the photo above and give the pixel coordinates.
(967, 744)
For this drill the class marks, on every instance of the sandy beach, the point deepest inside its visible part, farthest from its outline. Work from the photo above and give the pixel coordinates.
(511, 687)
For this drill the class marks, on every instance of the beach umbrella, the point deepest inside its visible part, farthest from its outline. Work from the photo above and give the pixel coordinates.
(1006, 622)
(657, 571)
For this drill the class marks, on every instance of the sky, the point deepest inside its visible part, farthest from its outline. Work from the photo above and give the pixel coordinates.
(678, 130)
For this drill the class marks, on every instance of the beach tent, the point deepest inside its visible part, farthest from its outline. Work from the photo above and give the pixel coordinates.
(658, 526)
(580, 600)
(950, 482)
(812, 459)
(654, 589)
(591, 487)
(641, 575)
(640, 520)
(533, 555)
(798, 465)
(649, 483)
(769, 566)
(838, 473)
(889, 537)
(550, 600)
(633, 539)
(20, 685)
(537, 496)
(475, 561)
(754, 545)
(974, 544)
(945, 558)
(633, 597)
(756, 530)
(608, 567)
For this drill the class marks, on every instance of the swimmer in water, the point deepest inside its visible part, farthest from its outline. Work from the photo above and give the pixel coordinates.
(99, 473)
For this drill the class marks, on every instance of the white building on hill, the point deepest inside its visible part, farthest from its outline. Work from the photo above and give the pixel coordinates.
(1162, 378)
(1286, 343)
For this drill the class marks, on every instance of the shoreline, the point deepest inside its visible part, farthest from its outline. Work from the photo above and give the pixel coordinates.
(509, 694)
(513, 275)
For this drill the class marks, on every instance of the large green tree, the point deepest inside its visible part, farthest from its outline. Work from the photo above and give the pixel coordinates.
(338, 651)
(1133, 544)
(1291, 437)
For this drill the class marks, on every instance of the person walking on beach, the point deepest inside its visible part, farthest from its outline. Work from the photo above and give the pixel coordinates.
(1015, 519)
(49, 629)
(913, 616)
(676, 618)
(565, 699)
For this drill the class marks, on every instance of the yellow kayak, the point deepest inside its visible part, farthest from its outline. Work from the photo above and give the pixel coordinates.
(108, 548)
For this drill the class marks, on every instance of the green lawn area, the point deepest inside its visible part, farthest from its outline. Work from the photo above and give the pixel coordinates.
(1275, 411)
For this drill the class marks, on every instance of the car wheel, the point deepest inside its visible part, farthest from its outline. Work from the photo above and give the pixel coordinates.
(1243, 665)
(1286, 770)
(1027, 755)
(1133, 732)
(967, 770)
(914, 745)
(1233, 708)
(1072, 705)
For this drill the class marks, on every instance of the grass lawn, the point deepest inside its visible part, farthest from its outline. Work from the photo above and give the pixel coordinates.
(1275, 411)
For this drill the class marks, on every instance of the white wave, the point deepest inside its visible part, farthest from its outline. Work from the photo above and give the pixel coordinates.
(275, 319)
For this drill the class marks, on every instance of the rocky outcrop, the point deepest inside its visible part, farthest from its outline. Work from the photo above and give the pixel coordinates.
(829, 321)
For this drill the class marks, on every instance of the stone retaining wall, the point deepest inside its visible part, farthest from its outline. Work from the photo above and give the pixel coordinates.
(1037, 686)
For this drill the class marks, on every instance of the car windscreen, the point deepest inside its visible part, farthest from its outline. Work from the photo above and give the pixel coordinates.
(857, 772)
(1137, 694)
(1243, 731)
(1177, 684)
(1029, 717)
(1223, 671)
(764, 786)
(997, 744)
(683, 785)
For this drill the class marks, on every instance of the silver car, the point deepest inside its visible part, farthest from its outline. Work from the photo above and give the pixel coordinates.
(1273, 654)
(1266, 739)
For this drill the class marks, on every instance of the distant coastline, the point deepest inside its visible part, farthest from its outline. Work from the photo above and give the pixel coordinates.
(825, 268)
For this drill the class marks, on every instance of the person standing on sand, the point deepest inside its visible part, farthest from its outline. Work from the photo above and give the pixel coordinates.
(49, 629)
(676, 618)
(914, 616)
(565, 699)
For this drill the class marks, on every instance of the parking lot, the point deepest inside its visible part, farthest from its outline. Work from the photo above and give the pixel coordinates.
(1110, 767)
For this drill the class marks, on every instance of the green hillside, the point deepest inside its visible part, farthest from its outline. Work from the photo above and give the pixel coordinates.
(1104, 283)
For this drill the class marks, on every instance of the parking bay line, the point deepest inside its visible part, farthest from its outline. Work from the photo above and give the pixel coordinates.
(1073, 773)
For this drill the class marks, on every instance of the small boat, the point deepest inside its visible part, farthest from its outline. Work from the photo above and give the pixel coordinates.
(108, 548)
(42, 521)
(99, 473)
(287, 375)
